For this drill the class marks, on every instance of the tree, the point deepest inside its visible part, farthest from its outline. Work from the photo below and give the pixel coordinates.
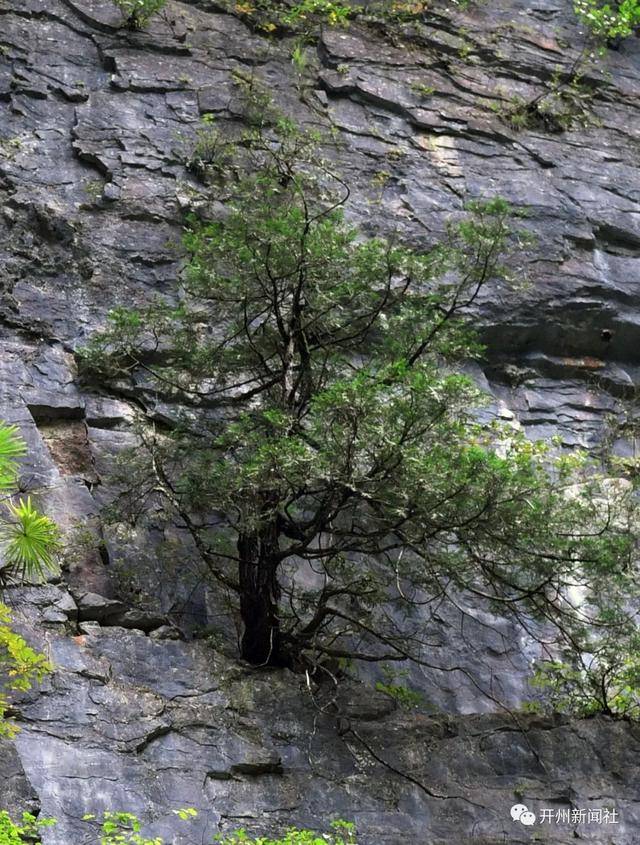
(29, 541)
(330, 433)
(603, 677)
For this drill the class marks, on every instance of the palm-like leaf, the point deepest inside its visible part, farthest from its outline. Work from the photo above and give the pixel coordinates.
(12, 447)
(31, 542)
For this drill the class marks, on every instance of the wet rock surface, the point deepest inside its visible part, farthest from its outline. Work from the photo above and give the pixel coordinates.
(97, 126)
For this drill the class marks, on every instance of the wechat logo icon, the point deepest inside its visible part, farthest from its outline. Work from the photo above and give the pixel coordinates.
(521, 813)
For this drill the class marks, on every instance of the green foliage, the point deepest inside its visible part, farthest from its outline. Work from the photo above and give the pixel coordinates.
(20, 667)
(423, 89)
(127, 325)
(210, 156)
(137, 13)
(304, 17)
(119, 828)
(343, 434)
(122, 829)
(30, 539)
(12, 447)
(308, 16)
(391, 14)
(623, 426)
(604, 679)
(565, 104)
(342, 833)
(299, 58)
(333, 12)
(27, 830)
(400, 692)
(29, 542)
(609, 22)
(186, 813)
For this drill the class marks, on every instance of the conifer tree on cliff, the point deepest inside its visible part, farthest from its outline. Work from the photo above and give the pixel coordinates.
(333, 435)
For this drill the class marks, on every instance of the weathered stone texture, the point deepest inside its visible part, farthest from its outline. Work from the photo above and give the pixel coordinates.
(96, 127)
(129, 721)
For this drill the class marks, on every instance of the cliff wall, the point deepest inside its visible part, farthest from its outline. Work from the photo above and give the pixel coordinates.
(97, 126)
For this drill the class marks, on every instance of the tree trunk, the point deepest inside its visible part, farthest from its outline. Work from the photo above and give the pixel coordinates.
(261, 642)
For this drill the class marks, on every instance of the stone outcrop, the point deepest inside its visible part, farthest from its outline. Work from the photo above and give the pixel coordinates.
(149, 725)
(98, 124)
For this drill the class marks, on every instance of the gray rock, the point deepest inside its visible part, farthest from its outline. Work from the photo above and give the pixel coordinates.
(166, 632)
(89, 627)
(99, 124)
(17, 795)
(95, 608)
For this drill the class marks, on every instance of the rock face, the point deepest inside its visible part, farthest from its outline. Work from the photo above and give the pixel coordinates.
(132, 722)
(97, 126)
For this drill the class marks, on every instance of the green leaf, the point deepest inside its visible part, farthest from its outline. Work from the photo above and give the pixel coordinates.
(31, 541)
(12, 447)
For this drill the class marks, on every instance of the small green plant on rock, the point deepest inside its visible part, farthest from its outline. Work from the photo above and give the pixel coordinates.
(304, 18)
(10, 147)
(118, 828)
(26, 830)
(94, 189)
(566, 103)
(211, 154)
(609, 22)
(342, 833)
(29, 541)
(333, 12)
(394, 687)
(121, 828)
(422, 89)
(623, 426)
(22, 667)
(137, 13)
(397, 12)
(515, 112)
(299, 58)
